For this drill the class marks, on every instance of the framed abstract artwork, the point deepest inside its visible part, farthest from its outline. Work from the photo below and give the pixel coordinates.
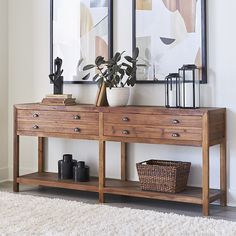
(169, 34)
(80, 31)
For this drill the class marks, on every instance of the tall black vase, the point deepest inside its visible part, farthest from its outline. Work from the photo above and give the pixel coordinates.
(58, 85)
(65, 167)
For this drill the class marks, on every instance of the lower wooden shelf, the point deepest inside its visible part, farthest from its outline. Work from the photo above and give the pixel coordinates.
(132, 188)
(117, 187)
(51, 180)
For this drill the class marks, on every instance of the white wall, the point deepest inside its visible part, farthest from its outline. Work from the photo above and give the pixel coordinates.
(3, 90)
(28, 82)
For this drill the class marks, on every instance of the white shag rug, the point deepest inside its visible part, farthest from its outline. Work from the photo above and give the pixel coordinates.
(29, 215)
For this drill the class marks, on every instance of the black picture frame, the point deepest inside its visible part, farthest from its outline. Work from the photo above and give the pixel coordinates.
(110, 39)
(203, 41)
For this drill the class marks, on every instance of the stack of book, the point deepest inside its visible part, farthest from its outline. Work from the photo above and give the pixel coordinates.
(59, 100)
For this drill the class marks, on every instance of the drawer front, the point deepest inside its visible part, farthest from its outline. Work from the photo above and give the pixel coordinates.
(153, 132)
(154, 120)
(57, 127)
(78, 117)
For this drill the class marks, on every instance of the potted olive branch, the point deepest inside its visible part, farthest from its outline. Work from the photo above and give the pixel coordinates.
(117, 75)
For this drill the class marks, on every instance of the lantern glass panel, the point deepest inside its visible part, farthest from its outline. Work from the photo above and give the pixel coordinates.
(172, 90)
(189, 87)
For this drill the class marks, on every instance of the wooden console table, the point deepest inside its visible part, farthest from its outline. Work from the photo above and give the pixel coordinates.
(135, 124)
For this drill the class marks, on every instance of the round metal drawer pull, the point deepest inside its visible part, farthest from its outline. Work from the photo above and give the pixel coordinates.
(125, 119)
(35, 127)
(176, 122)
(126, 132)
(35, 115)
(77, 117)
(77, 130)
(175, 135)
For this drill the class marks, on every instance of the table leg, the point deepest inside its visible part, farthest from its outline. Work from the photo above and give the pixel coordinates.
(223, 175)
(16, 163)
(102, 175)
(40, 154)
(205, 181)
(123, 161)
(205, 166)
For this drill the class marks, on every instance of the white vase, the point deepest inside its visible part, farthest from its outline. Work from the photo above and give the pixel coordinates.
(117, 97)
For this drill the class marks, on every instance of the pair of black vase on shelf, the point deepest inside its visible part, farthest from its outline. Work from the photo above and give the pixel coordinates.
(72, 169)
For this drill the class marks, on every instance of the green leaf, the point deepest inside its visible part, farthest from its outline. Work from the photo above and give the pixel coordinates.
(129, 59)
(95, 77)
(99, 61)
(88, 67)
(86, 77)
(136, 53)
(132, 81)
(125, 64)
(117, 57)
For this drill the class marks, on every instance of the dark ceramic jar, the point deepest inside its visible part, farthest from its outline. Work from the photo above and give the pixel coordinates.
(65, 167)
(81, 172)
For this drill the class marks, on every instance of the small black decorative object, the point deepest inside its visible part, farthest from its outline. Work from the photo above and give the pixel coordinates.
(172, 89)
(65, 167)
(189, 86)
(81, 172)
(57, 78)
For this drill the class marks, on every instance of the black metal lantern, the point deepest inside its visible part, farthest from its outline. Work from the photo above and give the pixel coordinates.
(189, 86)
(172, 87)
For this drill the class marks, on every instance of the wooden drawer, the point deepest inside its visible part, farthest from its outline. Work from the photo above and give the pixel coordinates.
(154, 120)
(153, 132)
(58, 127)
(68, 116)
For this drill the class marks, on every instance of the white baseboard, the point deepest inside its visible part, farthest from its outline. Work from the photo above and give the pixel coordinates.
(232, 197)
(22, 172)
(4, 174)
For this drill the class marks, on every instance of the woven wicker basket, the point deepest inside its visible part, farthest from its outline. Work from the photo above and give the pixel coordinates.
(163, 176)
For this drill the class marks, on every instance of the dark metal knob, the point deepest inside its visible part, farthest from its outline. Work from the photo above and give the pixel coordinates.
(77, 117)
(175, 135)
(125, 119)
(35, 127)
(77, 130)
(35, 115)
(126, 132)
(176, 122)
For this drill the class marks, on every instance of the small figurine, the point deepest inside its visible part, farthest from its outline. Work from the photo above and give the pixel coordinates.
(57, 78)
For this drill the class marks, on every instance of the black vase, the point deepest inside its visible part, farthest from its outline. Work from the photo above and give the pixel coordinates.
(81, 172)
(65, 167)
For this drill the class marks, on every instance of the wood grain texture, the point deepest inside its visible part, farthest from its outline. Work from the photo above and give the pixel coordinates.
(58, 127)
(40, 107)
(40, 154)
(205, 166)
(152, 132)
(154, 120)
(16, 161)
(58, 116)
(155, 110)
(51, 180)
(102, 170)
(223, 166)
(132, 188)
(123, 161)
(133, 124)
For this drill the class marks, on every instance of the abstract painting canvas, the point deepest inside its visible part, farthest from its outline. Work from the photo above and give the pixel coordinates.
(80, 31)
(169, 34)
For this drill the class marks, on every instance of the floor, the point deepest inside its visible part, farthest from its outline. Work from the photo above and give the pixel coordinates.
(217, 212)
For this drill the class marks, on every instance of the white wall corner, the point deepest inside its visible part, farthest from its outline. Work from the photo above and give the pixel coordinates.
(4, 174)
(23, 171)
(232, 197)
